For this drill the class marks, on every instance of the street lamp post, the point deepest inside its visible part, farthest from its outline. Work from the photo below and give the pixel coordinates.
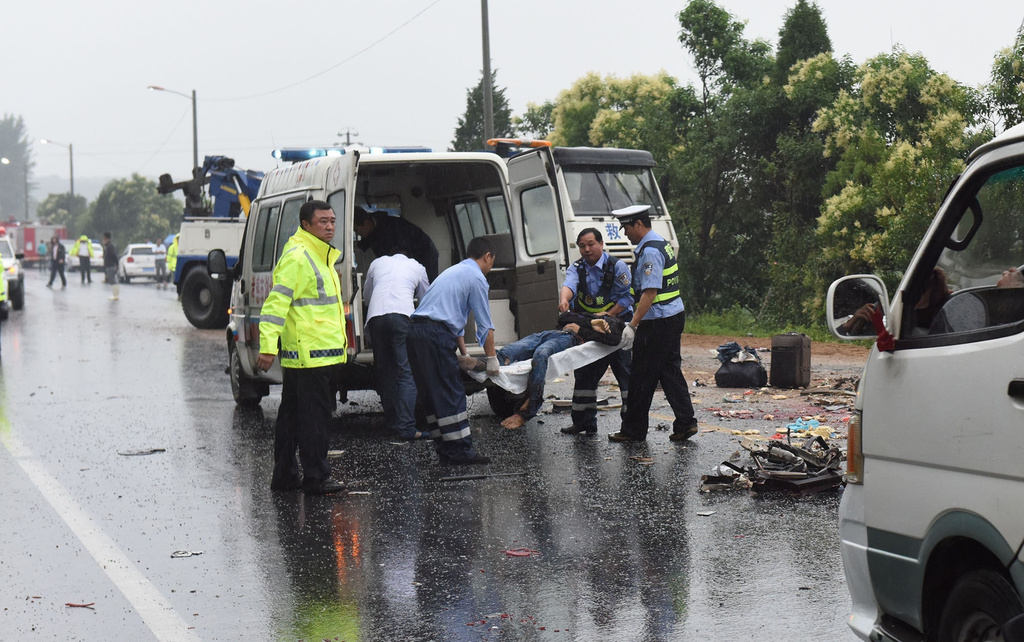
(7, 161)
(195, 131)
(71, 160)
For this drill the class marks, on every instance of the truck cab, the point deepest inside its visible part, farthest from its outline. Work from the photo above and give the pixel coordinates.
(931, 532)
(529, 206)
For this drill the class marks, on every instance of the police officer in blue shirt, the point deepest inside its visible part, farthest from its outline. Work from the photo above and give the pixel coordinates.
(437, 329)
(658, 321)
(597, 283)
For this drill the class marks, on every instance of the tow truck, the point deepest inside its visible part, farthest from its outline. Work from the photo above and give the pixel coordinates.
(217, 200)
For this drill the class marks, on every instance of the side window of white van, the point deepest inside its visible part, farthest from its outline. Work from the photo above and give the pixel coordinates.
(976, 290)
(263, 239)
(540, 220)
(499, 215)
(289, 223)
(471, 220)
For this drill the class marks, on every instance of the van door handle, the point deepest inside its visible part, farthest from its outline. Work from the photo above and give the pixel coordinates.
(1016, 388)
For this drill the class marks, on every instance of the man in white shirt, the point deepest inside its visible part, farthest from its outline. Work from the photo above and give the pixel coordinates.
(160, 262)
(392, 282)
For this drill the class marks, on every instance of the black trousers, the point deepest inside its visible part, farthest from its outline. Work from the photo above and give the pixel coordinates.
(55, 269)
(85, 265)
(656, 359)
(584, 394)
(303, 424)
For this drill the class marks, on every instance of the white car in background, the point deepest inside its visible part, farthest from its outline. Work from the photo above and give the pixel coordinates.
(137, 260)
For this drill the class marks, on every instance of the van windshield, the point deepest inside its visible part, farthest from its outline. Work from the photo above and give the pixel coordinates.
(6, 251)
(596, 191)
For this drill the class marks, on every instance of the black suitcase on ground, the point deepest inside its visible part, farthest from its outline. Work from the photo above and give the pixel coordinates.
(791, 360)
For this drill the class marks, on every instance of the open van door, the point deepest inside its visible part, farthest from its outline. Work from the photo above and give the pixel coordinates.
(538, 226)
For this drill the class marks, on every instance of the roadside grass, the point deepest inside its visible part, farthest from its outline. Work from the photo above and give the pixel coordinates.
(739, 322)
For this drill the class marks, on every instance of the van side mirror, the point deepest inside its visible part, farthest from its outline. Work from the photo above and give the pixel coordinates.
(851, 301)
(217, 265)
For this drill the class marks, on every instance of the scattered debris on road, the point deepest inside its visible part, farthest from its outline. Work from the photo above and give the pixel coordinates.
(810, 467)
(144, 451)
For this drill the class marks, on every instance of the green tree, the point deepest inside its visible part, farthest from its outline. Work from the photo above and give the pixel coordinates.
(469, 133)
(538, 122)
(62, 209)
(1006, 89)
(16, 172)
(899, 137)
(132, 210)
(803, 35)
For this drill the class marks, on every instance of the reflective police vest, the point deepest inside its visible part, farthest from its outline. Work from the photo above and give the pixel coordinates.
(669, 290)
(587, 301)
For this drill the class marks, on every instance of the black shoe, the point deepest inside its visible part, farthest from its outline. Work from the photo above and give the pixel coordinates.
(325, 487)
(49, 285)
(465, 461)
(575, 430)
(683, 435)
(288, 484)
(622, 437)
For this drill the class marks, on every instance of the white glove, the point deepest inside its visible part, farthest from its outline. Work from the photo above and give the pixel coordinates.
(628, 333)
(492, 365)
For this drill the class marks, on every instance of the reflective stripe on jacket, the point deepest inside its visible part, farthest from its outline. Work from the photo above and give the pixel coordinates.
(669, 290)
(305, 308)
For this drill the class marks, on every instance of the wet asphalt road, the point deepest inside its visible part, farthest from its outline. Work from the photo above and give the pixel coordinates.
(621, 552)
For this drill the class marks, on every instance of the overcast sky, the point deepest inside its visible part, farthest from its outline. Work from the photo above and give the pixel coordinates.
(396, 71)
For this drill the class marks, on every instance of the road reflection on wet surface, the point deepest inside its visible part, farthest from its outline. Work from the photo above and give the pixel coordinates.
(610, 543)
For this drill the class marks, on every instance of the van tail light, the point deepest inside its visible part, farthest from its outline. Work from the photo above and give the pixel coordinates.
(854, 451)
(350, 331)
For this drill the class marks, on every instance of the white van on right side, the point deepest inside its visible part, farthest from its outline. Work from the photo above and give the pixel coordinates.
(931, 521)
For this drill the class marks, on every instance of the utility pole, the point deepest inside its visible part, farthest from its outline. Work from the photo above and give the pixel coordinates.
(488, 86)
(348, 133)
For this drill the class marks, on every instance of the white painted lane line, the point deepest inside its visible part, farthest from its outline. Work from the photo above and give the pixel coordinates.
(155, 610)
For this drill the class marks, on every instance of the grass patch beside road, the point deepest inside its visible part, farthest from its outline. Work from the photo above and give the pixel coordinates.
(740, 322)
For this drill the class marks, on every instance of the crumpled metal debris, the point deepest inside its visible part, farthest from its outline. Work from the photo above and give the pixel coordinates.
(810, 467)
(185, 553)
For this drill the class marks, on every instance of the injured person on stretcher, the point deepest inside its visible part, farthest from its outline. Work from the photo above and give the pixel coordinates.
(580, 339)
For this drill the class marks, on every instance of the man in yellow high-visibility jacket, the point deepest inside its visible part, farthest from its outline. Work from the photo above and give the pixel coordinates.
(305, 311)
(172, 261)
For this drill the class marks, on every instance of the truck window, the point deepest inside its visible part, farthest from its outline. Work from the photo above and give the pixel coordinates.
(540, 220)
(499, 215)
(263, 239)
(471, 220)
(594, 191)
(987, 240)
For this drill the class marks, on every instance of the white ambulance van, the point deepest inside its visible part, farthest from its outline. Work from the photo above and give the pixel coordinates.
(931, 520)
(529, 205)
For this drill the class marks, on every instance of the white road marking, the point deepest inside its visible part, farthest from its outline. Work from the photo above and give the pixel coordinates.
(155, 610)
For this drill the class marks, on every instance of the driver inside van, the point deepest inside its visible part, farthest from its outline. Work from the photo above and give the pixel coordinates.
(380, 232)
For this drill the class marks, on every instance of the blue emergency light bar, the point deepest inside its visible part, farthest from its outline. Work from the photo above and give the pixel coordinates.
(298, 154)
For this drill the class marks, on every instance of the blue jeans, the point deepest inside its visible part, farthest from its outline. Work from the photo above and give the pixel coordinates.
(395, 384)
(538, 348)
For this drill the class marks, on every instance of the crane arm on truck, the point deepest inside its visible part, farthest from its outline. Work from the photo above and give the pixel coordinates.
(217, 201)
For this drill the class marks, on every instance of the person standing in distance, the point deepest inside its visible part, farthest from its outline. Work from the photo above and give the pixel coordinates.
(597, 283)
(160, 262)
(658, 323)
(110, 264)
(392, 284)
(305, 311)
(172, 261)
(57, 257)
(83, 250)
(438, 326)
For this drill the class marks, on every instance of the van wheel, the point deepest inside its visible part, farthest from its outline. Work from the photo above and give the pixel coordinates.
(18, 296)
(504, 403)
(203, 301)
(245, 391)
(981, 602)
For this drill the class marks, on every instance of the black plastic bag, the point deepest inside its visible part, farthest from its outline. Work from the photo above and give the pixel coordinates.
(741, 374)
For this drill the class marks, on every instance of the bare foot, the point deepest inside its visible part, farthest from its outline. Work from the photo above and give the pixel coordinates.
(515, 422)
(600, 325)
